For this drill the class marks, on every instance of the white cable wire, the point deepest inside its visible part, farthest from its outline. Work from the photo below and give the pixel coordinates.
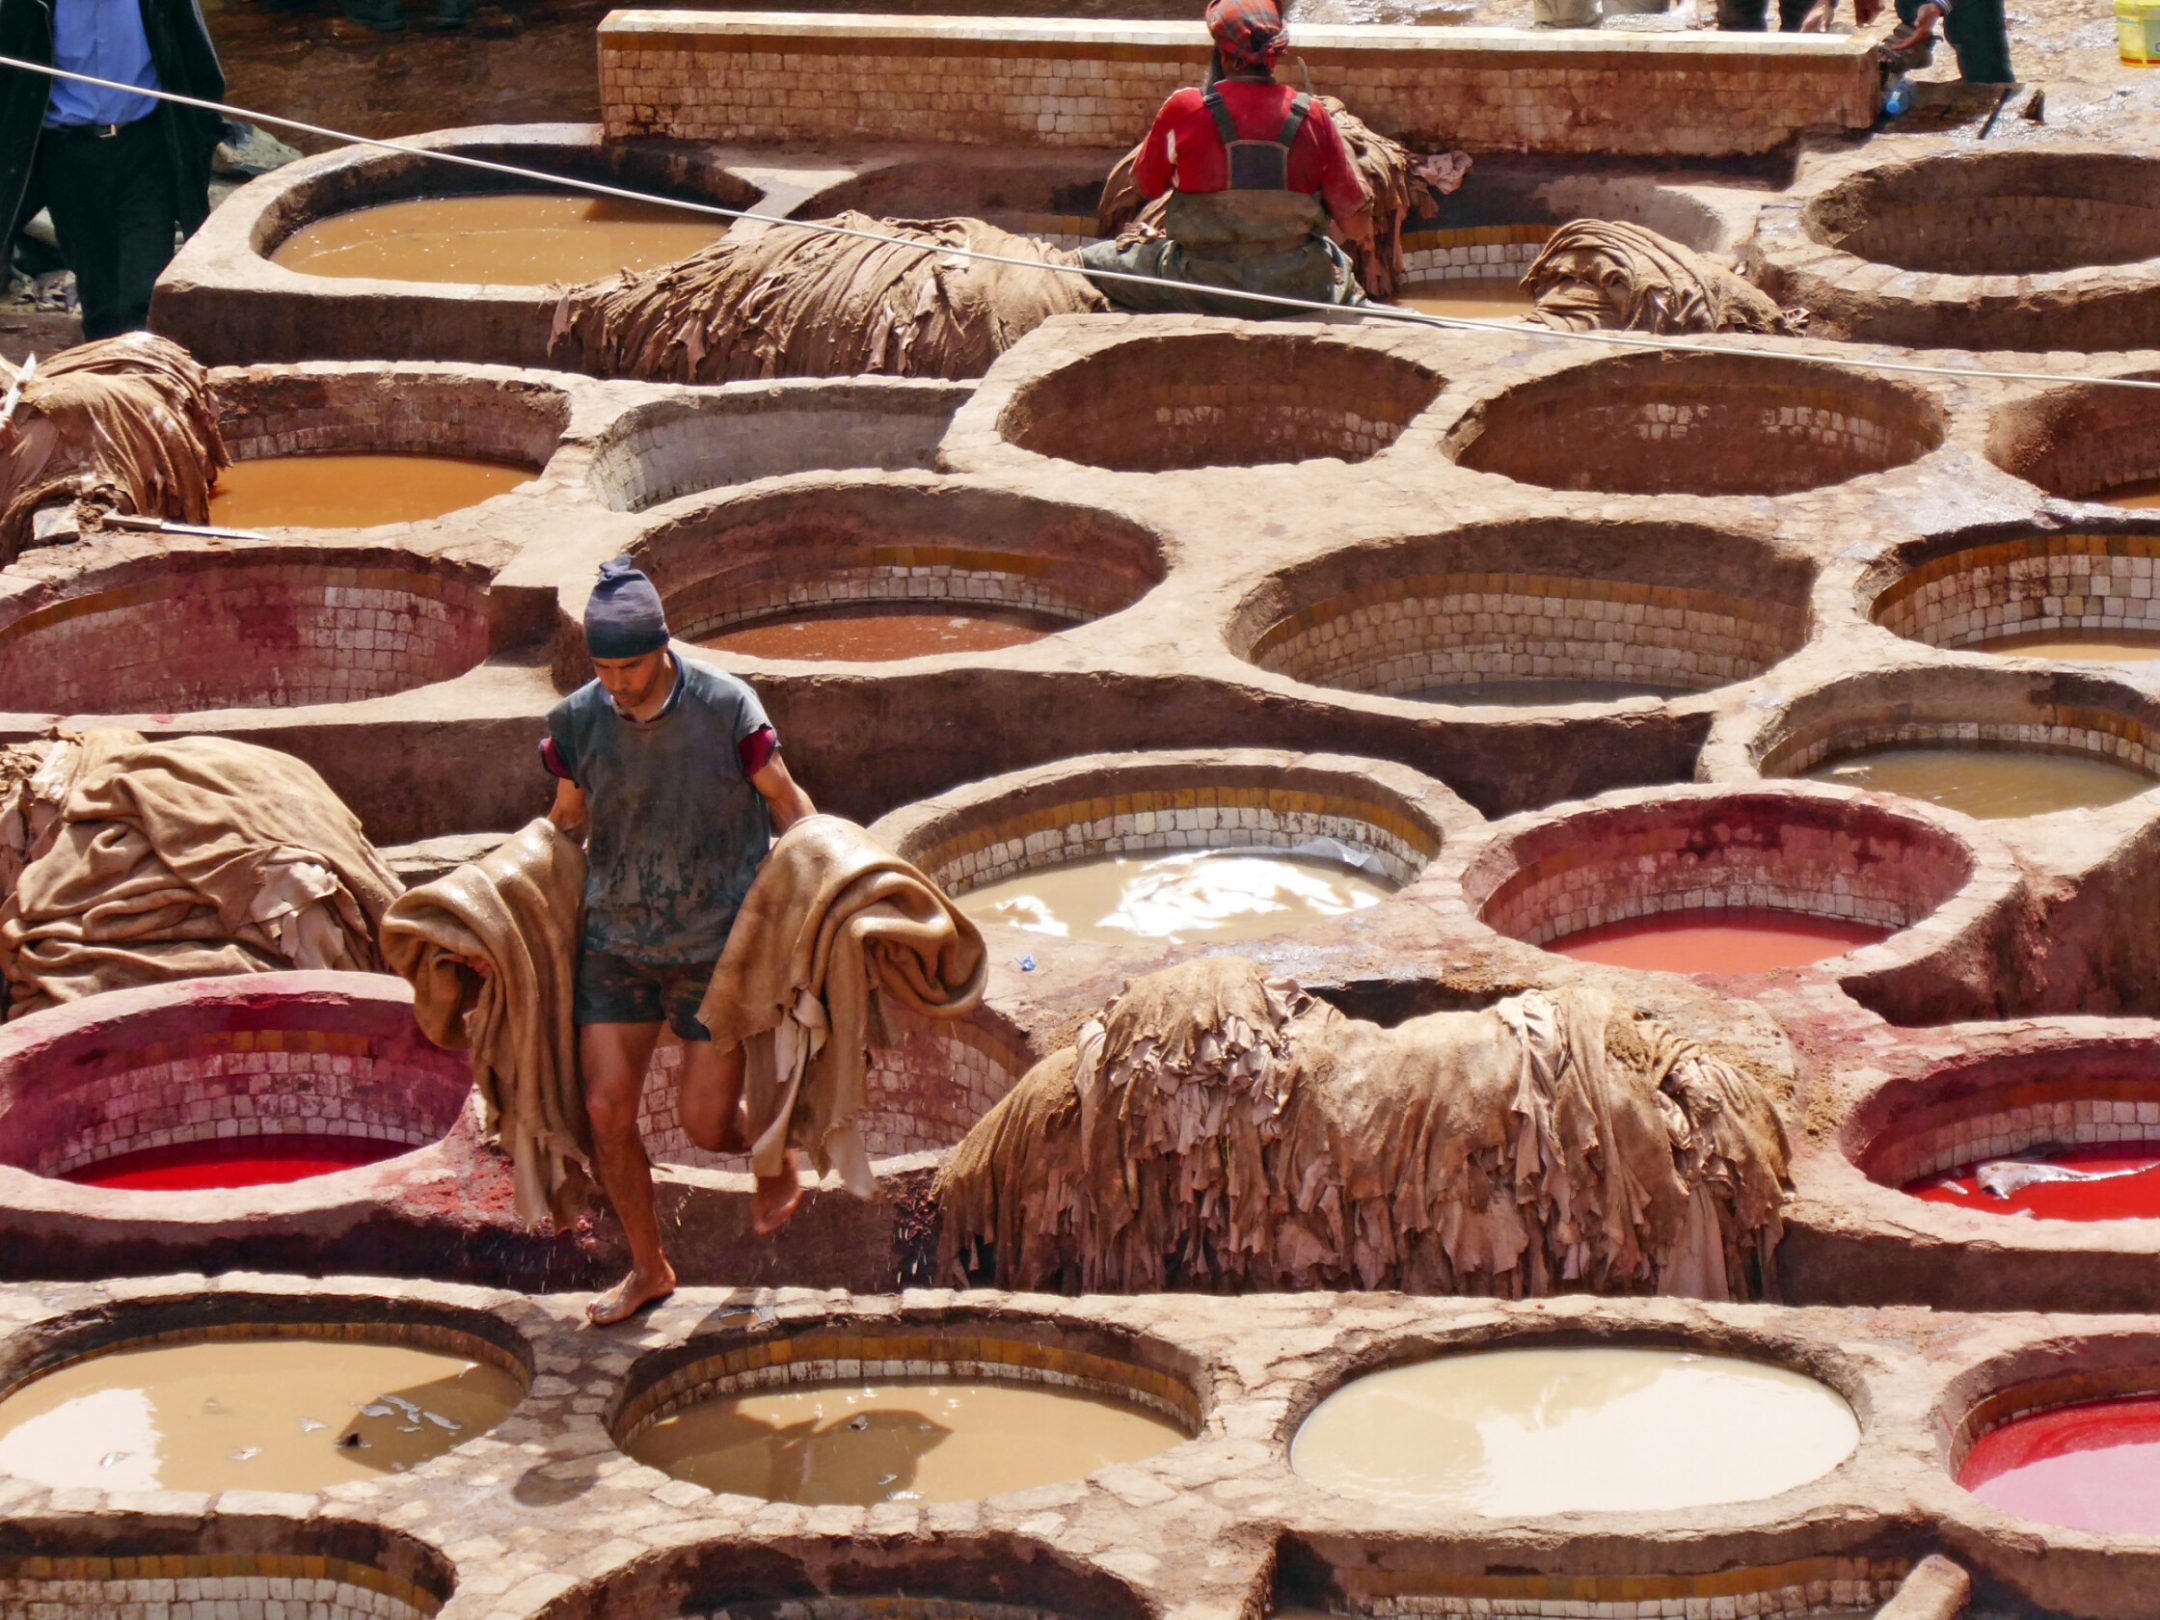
(1381, 312)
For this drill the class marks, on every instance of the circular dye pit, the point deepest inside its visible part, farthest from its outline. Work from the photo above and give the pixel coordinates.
(1476, 298)
(2088, 597)
(291, 1412)
(224, 1083)
(354, 490)
(513, 239)
(1533, 613)
(1193, 894)
(2141, 496)
(2099, 1181)
(1220, 399)
(2089, 1467)
(1697, 424)
(2085, 442)
(837, 1417)
(900, 1440)
(884, 572)
(189, 631)
(1990, 783)
(1574, 1428)
(1717, 881)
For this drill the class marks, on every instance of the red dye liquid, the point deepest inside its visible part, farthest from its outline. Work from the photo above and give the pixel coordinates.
(2091, 1467)
(1718, 940)
(251, 1161)
(2133, 1197)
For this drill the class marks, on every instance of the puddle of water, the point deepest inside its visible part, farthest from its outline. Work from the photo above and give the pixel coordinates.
(338, 490)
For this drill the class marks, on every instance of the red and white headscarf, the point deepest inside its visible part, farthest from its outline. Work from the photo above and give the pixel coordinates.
(1249, 34)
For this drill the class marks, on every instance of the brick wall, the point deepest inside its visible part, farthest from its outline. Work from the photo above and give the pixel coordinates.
(2031, 584)
(254, 1586)
(778, 77)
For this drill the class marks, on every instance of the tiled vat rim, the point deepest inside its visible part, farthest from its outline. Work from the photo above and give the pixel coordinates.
(209, 1586)
(1785, 1591)
(2075, 442)
(241, 1083)
(1403, 634)
(1959, 1431)
(2087, 580)
(2014, 1117)
(1472, 252)
(2065, 729)
(495, 412)
(870, 1350)
(427, 1335)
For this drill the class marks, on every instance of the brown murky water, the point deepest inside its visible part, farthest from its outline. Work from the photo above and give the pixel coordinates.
(1485, 298)
(1534, 693)
(296, 1414)
(2143, 495)
(518, 239)
(2100, 647)
(1991, 783)
(879, 635)
(900, 1440)
(352, 491)
(1577, 1427)
(1183, 894)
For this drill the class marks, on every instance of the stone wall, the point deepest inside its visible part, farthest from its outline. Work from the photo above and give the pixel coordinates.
(774, 77)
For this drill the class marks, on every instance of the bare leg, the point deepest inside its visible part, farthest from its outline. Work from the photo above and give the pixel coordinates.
(613, 1057)
(711, 1109)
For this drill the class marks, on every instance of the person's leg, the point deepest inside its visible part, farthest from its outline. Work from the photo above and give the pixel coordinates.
(1977, 32)
(612, 1058)
(1743, 16)
(144, 220)
(72, 177)
(709, 1104)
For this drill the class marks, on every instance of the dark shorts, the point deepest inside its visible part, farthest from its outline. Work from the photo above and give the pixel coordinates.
(619, 990)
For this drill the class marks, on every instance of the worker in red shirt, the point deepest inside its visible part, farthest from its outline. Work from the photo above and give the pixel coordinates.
(1254, 172)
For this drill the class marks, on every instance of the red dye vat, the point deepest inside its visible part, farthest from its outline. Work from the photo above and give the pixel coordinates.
(1718, 940)
(2090, 1467)
(2129, 1192)
(246, 1161)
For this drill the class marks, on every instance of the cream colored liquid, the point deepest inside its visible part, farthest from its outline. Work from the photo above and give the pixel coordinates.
(903, 1440)
(1189, 894)
(2143, 496)
(1494, 298)
(505, 240)
(1562, 1429)
(352, 491)
(2120, 647)
(247, 1415)
(1993, 784)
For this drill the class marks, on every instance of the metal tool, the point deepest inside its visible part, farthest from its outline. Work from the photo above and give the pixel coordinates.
(156, 525)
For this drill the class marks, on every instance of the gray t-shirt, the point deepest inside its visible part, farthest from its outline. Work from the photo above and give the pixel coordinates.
(676, 831)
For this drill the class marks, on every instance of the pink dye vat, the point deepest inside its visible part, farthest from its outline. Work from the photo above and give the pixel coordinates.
(247, 1161)
(2090, 1467)
(1718, 940)
(2118, 1181)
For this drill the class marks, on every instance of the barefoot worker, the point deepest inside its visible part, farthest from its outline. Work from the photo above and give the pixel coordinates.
(674, 775)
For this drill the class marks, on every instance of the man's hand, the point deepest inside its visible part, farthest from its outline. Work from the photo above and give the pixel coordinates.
(1923, 28)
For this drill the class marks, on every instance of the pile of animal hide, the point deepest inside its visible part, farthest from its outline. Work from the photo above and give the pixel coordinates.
(1600, 275)
(1399, 185)
(137, 862)
(1215, 1130)
(519, 909)
(788, 301)
(126, 424)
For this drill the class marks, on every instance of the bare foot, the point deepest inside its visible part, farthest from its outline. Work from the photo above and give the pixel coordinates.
(777, 1199)
(631, 1295)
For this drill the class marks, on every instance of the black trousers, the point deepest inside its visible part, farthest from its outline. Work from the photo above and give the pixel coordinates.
(113, 208)
(1977, 32)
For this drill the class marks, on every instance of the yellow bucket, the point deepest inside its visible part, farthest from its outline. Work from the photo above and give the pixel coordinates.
(2138, 22)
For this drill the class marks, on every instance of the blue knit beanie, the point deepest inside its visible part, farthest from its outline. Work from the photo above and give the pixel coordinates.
(624, 619)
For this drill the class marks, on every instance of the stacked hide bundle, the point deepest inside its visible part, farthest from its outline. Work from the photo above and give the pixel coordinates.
(1214, 1130)
(790, 302)
(1598, 275)
(127, 424)
(1398, 184)
(181, 858)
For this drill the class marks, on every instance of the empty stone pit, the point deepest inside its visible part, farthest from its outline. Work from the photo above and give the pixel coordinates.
(2068, 1131)
(2085, 443)
(2086, 595)
(227, 1391)
(1220, 399)
(365, 254)
(190, 630)
(874, 572)
(905, 1409)
(979, 1576)
(223, 1083)
(1996, 744)
(1724, 881)
(1698, 424)
(743, 432)
(233, 1569)
(1532, 614)
(1189, 848)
